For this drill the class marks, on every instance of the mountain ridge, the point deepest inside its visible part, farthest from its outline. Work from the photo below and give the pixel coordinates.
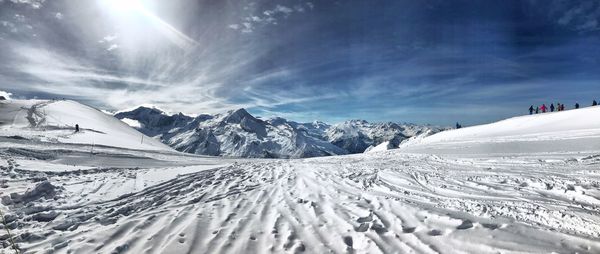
(238, 133)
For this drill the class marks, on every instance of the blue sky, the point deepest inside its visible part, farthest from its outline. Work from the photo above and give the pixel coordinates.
(430, 61)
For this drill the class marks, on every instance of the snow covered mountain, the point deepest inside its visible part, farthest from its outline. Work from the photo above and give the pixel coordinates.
(356, 136)
(54, 121)
(237, 133)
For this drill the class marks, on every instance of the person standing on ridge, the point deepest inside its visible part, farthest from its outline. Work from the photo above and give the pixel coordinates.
(537, 110)
(595, 103)
(458, 126)
(576, 105)
(552, 107)
(76, 127)
(531, 110)
(543, 108)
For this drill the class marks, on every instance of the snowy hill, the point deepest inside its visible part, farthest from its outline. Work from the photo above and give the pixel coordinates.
(238, 133)
(54, 121)
(573, 130)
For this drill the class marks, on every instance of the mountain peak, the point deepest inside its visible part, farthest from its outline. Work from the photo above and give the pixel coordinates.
(236, 116)
(149, 110)
(356, 121)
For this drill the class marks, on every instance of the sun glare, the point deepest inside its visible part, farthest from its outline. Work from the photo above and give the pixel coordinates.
(123, 6)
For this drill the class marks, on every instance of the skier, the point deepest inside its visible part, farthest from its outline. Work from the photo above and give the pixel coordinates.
(76, 127)
(458, 126)
(552, 107)
(595, 103)
(531, 110)
(576, 105)
(543, 108)
(562, 107)
(537, 110)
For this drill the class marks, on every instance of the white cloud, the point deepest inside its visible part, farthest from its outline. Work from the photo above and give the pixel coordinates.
(36, 4)
(19, 17)
(112, 47)
(58, 15)
(10, 26)
(283, 9)
(248, 27)
(108, 38)
(6, 95)
(267, 17)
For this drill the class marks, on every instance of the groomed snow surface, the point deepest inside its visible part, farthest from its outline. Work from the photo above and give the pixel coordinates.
(524, 185)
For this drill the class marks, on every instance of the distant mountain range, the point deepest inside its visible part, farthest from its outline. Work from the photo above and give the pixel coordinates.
(239, 134)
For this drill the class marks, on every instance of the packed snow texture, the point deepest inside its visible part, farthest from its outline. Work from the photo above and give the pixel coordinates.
(239, 134)
(462, 197)
(54, 122)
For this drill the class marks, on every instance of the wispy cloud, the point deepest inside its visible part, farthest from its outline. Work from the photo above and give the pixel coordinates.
(582, 16)
(35, 4)
(338, 60)
(272, 16)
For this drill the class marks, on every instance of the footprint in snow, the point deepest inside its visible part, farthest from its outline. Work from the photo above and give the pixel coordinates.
(435, 232)
(408, 230)
(490, 226)
(362, 228)
(365, 219)
(348, 241)
(380, 229)
(466, 224)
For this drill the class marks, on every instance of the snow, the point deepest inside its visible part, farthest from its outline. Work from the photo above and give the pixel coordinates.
(54, 122)
(132, 123)
(234, 134)
(381, 147)
(451, 192)
(565, 131)
(239, 134)
(6, 95)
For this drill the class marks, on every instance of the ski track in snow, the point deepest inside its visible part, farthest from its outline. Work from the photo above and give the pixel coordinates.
(497, 188)
(383, 203)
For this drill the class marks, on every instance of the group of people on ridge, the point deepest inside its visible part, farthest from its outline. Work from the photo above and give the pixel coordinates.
(559, 107)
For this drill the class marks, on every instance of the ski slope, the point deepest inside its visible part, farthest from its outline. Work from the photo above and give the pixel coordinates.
(448, 193)
(54, 122)
(565, 131)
